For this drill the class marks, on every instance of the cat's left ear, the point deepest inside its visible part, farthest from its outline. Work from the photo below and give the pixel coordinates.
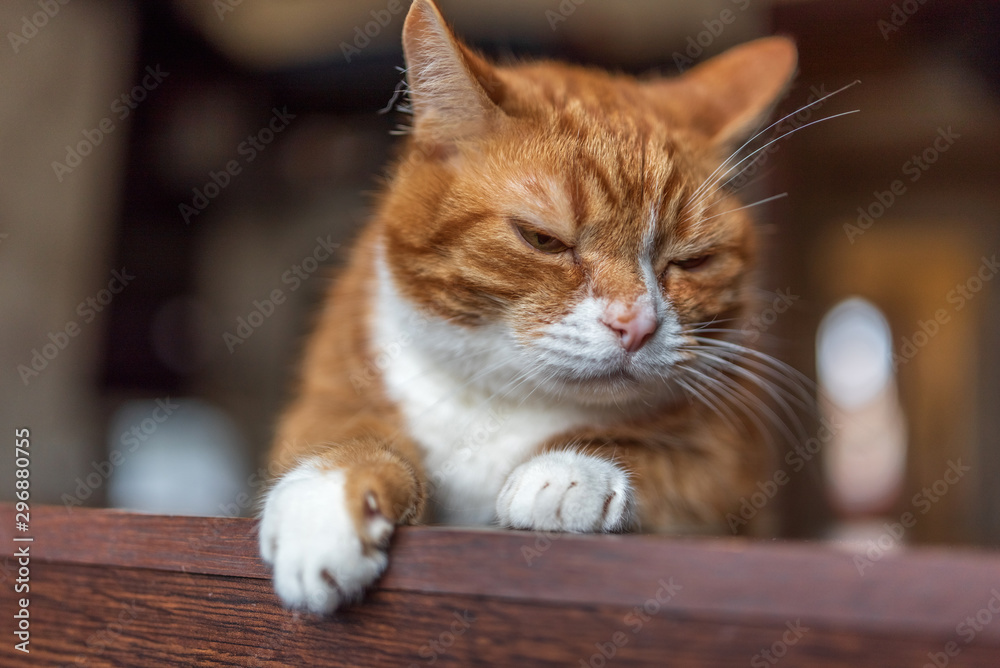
(726, 97)
(447, 81)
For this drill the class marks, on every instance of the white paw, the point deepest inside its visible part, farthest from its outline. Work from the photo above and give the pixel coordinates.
(308, 536)
(566, 491)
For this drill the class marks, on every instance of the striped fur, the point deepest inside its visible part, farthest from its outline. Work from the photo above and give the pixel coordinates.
(448, 318)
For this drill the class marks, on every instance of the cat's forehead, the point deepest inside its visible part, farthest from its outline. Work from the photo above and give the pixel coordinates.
(591, 96)
(600, 191)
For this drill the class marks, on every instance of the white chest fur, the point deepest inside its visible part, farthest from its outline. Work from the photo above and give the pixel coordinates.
(472, 437)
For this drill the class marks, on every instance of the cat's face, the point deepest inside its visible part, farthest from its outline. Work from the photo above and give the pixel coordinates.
(563, 240)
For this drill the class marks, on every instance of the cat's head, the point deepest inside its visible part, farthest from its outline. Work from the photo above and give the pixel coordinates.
(563, 224)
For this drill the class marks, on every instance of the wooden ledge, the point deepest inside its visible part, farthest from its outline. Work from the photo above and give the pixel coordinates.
(113, 588)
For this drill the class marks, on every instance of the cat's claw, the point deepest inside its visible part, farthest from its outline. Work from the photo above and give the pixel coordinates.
(320, 558)
(567, 491)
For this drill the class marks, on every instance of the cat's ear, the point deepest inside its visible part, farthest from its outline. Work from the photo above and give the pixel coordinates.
(446, 81)
(726, 97)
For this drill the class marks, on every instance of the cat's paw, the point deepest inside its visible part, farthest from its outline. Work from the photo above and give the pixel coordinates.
(567, 491)
(323, 547)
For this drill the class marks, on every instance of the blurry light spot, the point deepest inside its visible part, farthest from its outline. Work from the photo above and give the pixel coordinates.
(864, 463)
(175, 456)
(854, 353)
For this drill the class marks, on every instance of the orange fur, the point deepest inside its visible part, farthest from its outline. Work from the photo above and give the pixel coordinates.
(603, 151)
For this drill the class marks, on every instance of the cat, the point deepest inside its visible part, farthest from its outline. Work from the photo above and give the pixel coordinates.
(527, 332)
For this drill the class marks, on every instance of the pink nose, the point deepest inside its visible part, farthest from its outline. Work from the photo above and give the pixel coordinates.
(635, 323)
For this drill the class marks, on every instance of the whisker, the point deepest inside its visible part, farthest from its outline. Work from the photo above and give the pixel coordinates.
(695, 335)
(779, 387)
(699, 326)
(756, 402)
(776, 123)
(792, 389)
(750, 182)
(776, 139)
(775, 392)
(737, 401)
(706, 397)
(789, 386)
(757, 203)
(764, 357)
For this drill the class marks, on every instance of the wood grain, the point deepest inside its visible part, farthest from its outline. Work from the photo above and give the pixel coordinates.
(118, 616)
(114, 588)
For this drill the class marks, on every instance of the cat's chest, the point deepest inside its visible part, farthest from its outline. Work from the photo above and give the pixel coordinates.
(470, 441)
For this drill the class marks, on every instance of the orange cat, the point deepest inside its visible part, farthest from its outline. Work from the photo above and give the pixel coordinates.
(526, 334)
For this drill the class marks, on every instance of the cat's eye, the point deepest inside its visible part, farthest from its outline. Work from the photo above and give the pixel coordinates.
(541, 241)
(690, 264)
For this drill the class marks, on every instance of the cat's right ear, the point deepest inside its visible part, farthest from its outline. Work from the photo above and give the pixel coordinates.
(727, 96)
(446, 81)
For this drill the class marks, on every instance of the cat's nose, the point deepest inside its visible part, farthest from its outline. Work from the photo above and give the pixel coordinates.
(635, 323)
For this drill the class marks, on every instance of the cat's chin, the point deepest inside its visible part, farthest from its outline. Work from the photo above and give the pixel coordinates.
(614, 389)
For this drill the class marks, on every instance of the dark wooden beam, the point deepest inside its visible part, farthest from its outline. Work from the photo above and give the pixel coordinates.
(113, 588)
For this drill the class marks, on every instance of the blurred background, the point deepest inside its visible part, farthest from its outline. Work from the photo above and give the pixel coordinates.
(180, 179)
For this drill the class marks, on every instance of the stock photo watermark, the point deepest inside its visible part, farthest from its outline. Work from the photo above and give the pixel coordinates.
(635, 620)
(543, 541)
(131, 440)
(796, 459)
(382, 360)
(472, 441)
(777, 650)
(898, 16)
(914, 168)
(121, 108)
(99, 641)
(440, 645)
(814, 102)
(363, 35)
(922, 502)
(759, 324)
(265, 307)
(247, 151)
(60, 339)
(958, 297)
(243, 501)
(385, 355)
(22, 540)
(30, 25)
(562, 12)
(223, 7)
(714, 28)
(966, 630)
